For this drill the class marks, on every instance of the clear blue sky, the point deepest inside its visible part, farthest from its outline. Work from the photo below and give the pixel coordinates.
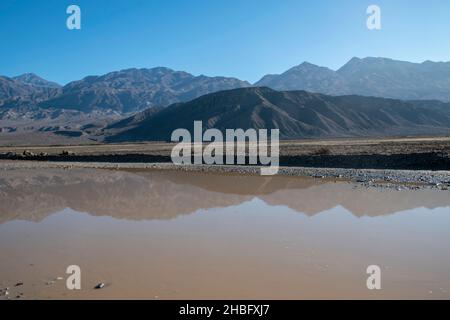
(240, 38)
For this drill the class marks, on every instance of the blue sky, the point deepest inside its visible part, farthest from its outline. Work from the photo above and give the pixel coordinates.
(239, 38)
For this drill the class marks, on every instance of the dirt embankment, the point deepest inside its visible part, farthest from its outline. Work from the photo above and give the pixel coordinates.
(425, 153)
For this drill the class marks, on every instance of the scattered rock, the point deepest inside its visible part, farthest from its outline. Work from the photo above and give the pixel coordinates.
(101, 285)
(18, 284)
(59, 278)
(67, 153)
(28, 153)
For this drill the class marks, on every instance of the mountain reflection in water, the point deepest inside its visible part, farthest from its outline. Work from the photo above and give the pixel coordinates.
(34, 194)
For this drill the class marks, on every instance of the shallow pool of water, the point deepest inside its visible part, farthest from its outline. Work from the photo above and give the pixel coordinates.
(174, 235)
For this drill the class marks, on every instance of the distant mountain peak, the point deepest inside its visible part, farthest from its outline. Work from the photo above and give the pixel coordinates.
(28, 89)
(305, 76)
(306, 64)
(311, 67)
(27, 76)
(35, 80)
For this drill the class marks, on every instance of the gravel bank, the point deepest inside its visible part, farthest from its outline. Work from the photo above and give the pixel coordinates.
(395, 179)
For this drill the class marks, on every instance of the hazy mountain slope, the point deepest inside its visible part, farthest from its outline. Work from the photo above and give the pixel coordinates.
(379, 77)
(137, 89)
(398, 79)
(298, 114)
(307, 77)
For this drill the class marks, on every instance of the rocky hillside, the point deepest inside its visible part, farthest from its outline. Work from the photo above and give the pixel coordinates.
(298, 114)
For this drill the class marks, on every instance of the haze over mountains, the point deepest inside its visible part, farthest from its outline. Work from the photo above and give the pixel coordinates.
(30, 103)
(380, 77)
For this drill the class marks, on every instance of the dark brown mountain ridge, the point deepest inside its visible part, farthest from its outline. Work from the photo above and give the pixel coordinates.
(297, 114)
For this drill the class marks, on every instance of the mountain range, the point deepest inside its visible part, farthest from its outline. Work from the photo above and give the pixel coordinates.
(334, 104)
(134, 90)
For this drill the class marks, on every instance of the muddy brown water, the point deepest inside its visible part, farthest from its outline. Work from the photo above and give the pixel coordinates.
(174, 235)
